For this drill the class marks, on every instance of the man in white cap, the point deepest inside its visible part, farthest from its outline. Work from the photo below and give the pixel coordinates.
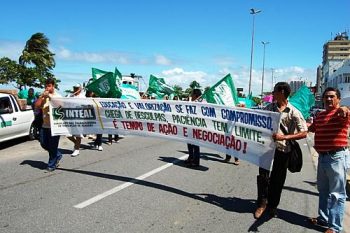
(76, 139)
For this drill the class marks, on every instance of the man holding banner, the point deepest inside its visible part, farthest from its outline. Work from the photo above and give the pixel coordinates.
(48, 141)
(270, 188)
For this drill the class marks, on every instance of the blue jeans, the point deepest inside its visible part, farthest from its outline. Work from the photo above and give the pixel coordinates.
(331, 184)
(50, 143)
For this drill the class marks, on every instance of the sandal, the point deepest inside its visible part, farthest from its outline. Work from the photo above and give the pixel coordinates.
(236, 162)
(316, 222)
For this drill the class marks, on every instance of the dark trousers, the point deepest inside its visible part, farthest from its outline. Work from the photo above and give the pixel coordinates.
(271, 189)
(194, 154)
(98, 141)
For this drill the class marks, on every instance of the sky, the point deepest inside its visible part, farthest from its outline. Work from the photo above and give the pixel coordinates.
(180, 41)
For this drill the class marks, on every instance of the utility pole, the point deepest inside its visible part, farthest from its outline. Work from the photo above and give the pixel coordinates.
(263, 71)
(253, 12)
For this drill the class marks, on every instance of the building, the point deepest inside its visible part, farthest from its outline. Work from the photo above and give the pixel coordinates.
(336, 64)
(295, 85)
(337, 49)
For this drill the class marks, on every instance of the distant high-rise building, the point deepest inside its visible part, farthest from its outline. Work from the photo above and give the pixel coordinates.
(295, 85)
(337, 49)
(334, 53)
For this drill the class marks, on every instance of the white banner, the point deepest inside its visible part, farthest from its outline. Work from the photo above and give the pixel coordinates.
(241, 132)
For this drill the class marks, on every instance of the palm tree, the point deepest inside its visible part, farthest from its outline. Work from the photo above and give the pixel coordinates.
(195, 85)
(37, 52)
(38, 57)
(178, 90)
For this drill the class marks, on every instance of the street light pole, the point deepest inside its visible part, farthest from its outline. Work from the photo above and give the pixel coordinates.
(253, 12)
(272, 78)
(263, 71)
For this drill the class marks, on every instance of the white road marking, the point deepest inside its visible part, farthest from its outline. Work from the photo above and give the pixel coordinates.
(125, 185)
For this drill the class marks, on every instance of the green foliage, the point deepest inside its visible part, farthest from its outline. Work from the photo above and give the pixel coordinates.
(9, 70)
(34, 67)
(178, 91)
(195, 85)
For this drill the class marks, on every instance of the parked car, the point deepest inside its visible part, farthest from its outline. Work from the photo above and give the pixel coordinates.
(16, 119)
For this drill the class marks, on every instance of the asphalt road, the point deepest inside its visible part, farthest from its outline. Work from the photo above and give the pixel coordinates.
(140, 185)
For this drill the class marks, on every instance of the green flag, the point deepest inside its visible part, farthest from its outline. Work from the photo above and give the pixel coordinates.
(223, 92)
(118, 77)
(158, 88)
(105, 86)
(97, 73)
(303, 100)
(117, 73)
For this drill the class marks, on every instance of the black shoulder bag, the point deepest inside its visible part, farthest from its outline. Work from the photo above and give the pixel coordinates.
(295, 159)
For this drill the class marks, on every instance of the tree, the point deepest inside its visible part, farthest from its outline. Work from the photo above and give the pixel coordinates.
(37, 53)
(195, 85)
(35, 64)
(178, 91)
(9, 70)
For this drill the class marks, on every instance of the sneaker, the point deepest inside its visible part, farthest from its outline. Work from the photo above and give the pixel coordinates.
(50, 169)
(100, 148)
(75, 153)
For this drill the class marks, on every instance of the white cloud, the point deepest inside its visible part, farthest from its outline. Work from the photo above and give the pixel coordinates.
(179, 76)
(224, 61)
(63, 53)
(286, 74)
(91, 57)
(69, 79)
(11, 49)
(162, 60)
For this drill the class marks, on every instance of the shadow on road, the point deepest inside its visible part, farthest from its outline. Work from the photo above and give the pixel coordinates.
(36, 164)
(181, 163)
(288, 216)
(232, 204)
(203, 154)
(13, 142)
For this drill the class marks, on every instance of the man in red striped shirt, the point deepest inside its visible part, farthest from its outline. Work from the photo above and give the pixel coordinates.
(331, 143)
